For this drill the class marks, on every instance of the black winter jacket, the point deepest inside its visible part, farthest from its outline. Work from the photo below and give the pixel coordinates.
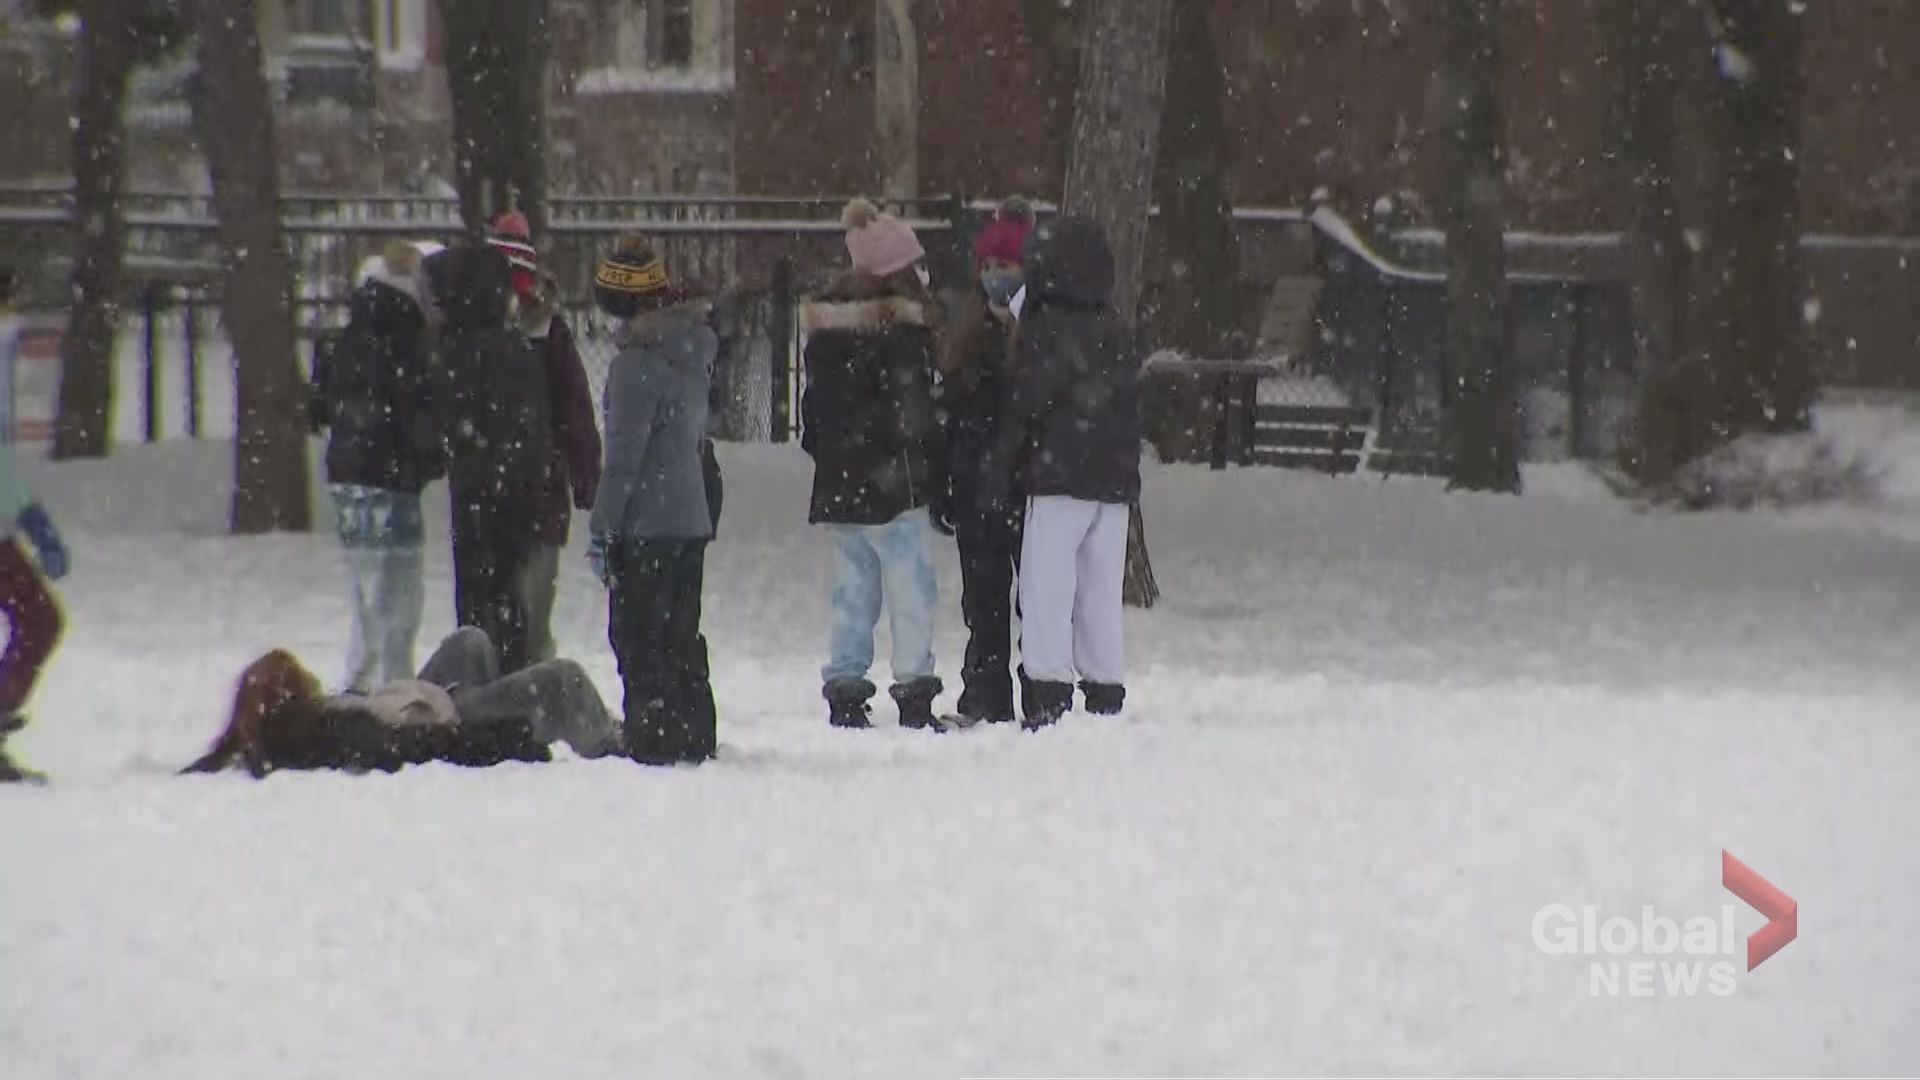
(373, 394)
(1074, 411)
(867, 413)
(972, 398)
(492, 396)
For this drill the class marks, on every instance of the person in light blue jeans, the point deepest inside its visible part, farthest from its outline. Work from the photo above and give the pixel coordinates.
(868, 423)
(371, 394)
(894, 560)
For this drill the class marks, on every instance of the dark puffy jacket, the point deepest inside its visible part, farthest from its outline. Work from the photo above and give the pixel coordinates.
(573, 463)
(493, 393)
(373, 394)
(1074, 413)
(974, 394)
(867, 414)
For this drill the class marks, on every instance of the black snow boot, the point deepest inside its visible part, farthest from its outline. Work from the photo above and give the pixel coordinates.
(915, 700)
(987, 699)
(1028, 706)
(1047, 703)
(847, 703)
(1104, 699)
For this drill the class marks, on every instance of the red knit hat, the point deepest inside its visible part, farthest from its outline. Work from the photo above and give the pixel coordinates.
(512, 237)
(1001, 237)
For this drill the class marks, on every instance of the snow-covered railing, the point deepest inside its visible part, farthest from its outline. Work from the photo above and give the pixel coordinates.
(1331, 225)
(1524, 240)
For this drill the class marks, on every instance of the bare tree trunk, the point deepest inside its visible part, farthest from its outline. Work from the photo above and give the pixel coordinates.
(106, 58)
(1480, 426)
(1767, 373)
(1719, 323)
(234, 116)
(1646, 52)
(496, 59)
(1116, 131)
(1054, 28)
(1116, 138)
(896, 98)
(1196, 309)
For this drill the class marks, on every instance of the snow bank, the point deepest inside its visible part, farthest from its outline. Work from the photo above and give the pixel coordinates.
(1372, 730)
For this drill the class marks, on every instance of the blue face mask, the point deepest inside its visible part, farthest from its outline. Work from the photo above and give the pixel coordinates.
(1000, 285)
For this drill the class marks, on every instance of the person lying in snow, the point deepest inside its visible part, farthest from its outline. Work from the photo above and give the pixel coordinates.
(460, 710)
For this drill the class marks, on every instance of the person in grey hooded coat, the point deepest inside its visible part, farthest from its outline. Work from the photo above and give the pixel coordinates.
(652, 519)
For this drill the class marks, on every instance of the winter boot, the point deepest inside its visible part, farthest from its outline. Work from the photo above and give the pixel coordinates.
(651, 732)
(986, 699)
(1104, 699)
(847, 703)
(915, 700)
(1047, 703)
(1028, 706)
(696, 688)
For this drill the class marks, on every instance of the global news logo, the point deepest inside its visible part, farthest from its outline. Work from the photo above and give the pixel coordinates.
(1658, 955)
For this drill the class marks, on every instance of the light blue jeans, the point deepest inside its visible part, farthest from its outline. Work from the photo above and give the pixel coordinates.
(380, 532)
(894, 561)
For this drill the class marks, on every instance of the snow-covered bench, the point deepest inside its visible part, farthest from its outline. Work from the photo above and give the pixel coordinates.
(1330, 437)
(1326, 438)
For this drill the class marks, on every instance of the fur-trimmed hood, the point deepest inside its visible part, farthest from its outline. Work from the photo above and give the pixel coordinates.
(376, 269)
(653, 328)
(863, 305)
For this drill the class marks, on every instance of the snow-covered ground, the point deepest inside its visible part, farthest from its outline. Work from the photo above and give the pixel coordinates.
(1374, 729)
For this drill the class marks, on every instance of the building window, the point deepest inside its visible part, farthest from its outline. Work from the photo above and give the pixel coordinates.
(319, 18)
(644, 35)
(400, 31)
(658, 46)
(672, 23)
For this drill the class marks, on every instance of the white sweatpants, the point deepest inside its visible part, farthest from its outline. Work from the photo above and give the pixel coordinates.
(1073, 562)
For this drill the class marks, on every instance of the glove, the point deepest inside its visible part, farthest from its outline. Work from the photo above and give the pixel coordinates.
(941, 515)
(33, 521)
(597, 558)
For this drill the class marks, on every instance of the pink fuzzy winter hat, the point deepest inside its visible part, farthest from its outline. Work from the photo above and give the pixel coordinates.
(878, 243)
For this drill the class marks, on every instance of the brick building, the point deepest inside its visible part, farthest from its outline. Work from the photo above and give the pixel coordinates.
(1321, 93)
(640, 99)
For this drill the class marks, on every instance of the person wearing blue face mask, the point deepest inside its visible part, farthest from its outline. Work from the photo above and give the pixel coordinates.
(972, 395)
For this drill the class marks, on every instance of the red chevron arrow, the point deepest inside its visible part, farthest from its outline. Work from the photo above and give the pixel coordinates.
(1782, 911)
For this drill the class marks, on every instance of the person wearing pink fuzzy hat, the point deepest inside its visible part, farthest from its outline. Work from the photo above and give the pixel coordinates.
(868, 423)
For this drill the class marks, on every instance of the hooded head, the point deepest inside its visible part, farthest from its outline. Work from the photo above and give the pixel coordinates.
(1069, 262)
(879, 244)
(470, 286)
(397, 267)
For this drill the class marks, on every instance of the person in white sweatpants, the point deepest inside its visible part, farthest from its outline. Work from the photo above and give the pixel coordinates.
(1072, 563)
(1071, 433)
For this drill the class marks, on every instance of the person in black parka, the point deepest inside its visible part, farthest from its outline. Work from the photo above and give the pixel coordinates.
(1073, 420)
(494, 411)
(372, 394)
(869, 425)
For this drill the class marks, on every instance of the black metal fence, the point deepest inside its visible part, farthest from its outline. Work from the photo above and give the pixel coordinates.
(1377, 325)
(755, 256)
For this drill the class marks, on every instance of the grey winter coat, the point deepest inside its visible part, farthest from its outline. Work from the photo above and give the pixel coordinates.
(652, 484)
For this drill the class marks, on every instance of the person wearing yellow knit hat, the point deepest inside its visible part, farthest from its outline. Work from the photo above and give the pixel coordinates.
(655, 512)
